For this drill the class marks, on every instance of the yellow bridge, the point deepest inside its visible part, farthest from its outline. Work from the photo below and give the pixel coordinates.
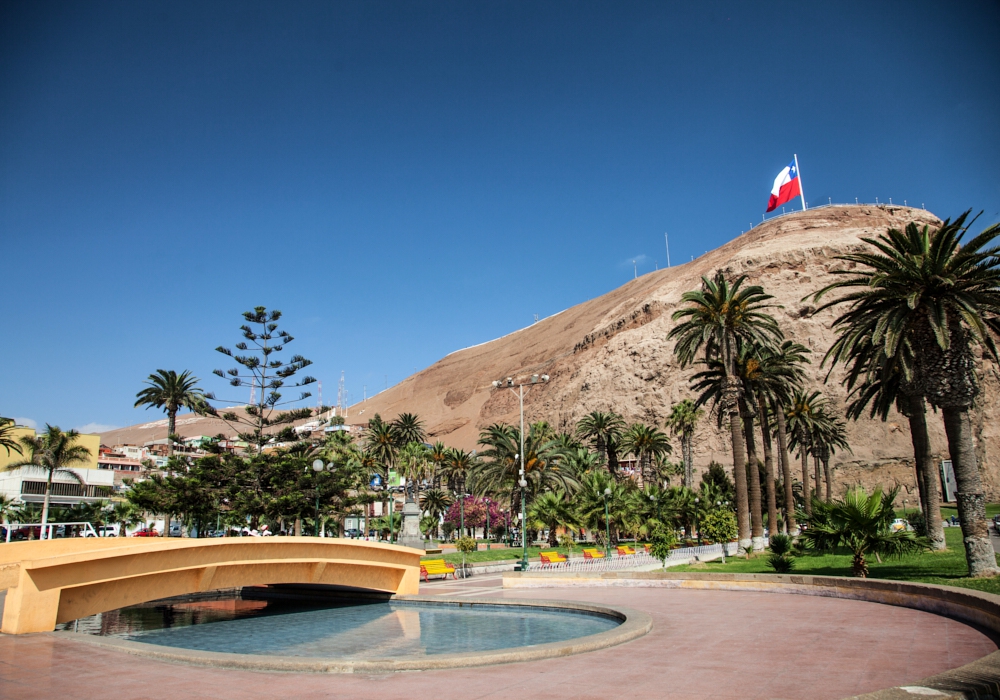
(56, 581)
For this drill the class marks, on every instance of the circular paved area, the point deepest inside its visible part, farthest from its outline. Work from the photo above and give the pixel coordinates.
(704, 644)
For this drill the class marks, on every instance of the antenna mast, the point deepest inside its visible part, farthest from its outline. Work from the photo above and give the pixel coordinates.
(667, 241)
(341, 398)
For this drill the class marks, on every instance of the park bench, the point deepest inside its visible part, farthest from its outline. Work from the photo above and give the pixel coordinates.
(436, 567)
(624, 550)
(552, 558)
(593, 554)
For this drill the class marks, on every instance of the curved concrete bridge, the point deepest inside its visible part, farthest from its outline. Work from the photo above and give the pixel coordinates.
(57, 581)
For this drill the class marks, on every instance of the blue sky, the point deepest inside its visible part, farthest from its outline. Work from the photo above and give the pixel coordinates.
(406, 179)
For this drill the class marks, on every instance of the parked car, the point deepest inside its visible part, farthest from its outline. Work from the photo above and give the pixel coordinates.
(109, 530)
(145, 532)
(352, 533)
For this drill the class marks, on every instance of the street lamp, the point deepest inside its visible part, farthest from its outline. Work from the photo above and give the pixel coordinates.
(522, 482)
(318, 467)
(607, 524)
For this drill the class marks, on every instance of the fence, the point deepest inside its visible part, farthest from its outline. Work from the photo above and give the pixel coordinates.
(631, 561)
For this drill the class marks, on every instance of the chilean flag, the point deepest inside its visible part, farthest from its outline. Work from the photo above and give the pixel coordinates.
(786, 187)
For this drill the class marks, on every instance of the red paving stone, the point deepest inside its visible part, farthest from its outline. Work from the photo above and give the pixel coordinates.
(705, 645)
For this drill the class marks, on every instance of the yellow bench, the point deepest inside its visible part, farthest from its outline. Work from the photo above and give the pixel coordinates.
(436, 567)
(552, 558)
(593, 553)
(624, 550)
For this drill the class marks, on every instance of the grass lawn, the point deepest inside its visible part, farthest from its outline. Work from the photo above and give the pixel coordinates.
(947, 568)
(991, 510)
(498, 554)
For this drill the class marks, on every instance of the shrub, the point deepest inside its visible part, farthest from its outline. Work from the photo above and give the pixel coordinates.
(465, 545)
(781, 563)
(918, 523)
(780, 544)
(662, 543)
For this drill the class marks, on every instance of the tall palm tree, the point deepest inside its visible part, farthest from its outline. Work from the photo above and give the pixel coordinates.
(8, 440)
(829, 435)
(933, 300)
(437, 456)
(646, 443)
(51, 453)
(875, 382)
(717, 318)
(171, 392)
(604, 430)
(414, 466)
(436, 503)
(408, 428)
(800, 416)
(682, 421)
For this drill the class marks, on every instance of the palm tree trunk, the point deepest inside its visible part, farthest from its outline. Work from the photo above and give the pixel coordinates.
(686, 440)
(739, 468)
(765, 435)
(969, 493)
(818, 479)
(756, 510)
(45, 504)
(927, 480)
(806, 495)
(829, 477)
(298, 526)
(786, 473)
(171, 426)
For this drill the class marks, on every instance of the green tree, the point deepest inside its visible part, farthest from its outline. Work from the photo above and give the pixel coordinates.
(682, 421)
(830, 435)
(552, 510)
(800, 416)
(717, 319)
(646, 443)
(53, 452)
(260, 370)
(125, 514)
(719, 525)
(172, 392)
(927, 300)
(436, 503)
(8, 441)
(862, 523)
(408, 428)
(604, 430)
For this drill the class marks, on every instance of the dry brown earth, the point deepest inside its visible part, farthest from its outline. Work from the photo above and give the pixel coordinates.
(611, 353)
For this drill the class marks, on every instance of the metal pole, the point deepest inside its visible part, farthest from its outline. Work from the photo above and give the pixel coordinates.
(524, 518)
(667, 241)
(802, 192)
(317, 512)
(607, 528)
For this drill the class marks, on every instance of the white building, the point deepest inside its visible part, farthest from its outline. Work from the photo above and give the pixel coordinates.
(27, 485)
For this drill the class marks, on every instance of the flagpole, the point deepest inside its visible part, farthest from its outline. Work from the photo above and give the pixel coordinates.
(802, 192)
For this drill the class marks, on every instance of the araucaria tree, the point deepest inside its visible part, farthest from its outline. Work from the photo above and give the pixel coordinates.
(171, 392)
(261, 370)
(925, 301)
(718, 318)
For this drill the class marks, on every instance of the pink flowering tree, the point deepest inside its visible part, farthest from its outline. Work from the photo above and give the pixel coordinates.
(475, 513)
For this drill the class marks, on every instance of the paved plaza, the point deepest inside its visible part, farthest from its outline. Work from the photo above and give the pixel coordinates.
(704, 645)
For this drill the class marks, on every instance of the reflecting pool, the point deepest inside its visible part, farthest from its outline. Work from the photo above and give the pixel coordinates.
(352, 630)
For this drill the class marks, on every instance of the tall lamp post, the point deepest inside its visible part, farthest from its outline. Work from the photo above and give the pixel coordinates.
(607, 524)
(318, 468)
(522, 481)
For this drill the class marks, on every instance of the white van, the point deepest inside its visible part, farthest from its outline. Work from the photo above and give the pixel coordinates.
(109, 530)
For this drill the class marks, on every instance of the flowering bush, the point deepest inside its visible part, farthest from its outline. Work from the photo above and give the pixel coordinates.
(475, 513)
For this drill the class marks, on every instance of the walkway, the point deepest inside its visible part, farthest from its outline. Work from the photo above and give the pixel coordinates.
(704, 645)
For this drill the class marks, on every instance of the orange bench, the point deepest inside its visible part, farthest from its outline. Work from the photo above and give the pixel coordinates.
(624, 550)
(436, 567)
(593, 553)
(552, 558)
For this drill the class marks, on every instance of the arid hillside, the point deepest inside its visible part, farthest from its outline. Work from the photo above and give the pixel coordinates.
(611, 353)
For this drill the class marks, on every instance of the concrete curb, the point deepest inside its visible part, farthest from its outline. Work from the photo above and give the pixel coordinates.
(979, 680)
(634, 624)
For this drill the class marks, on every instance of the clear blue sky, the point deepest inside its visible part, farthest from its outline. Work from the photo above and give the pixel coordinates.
(406, 179)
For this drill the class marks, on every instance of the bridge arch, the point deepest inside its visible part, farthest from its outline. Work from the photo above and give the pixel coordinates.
(56, 581)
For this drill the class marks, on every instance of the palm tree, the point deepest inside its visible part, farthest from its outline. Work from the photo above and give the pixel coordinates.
(8, 440)
(875, 381)
(171, 392)
(863, 523)
(717, 319)
(926, 300)
(604, 429)
(552, 510)
(125, 514)
(408, 428)
(437, 456)
(682, 421)
(800, 416)
(414, 466)
(436, 503)
(646, 443)
(52, 453)
(830, 434)
(7, 508)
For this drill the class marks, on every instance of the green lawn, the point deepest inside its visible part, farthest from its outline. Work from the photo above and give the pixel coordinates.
(945, 568)
(482, 555)
(991, 510)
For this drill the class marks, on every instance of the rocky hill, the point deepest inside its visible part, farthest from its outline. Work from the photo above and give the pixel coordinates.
(611, 353)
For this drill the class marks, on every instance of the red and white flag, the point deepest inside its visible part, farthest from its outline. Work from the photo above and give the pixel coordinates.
(786, 186)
